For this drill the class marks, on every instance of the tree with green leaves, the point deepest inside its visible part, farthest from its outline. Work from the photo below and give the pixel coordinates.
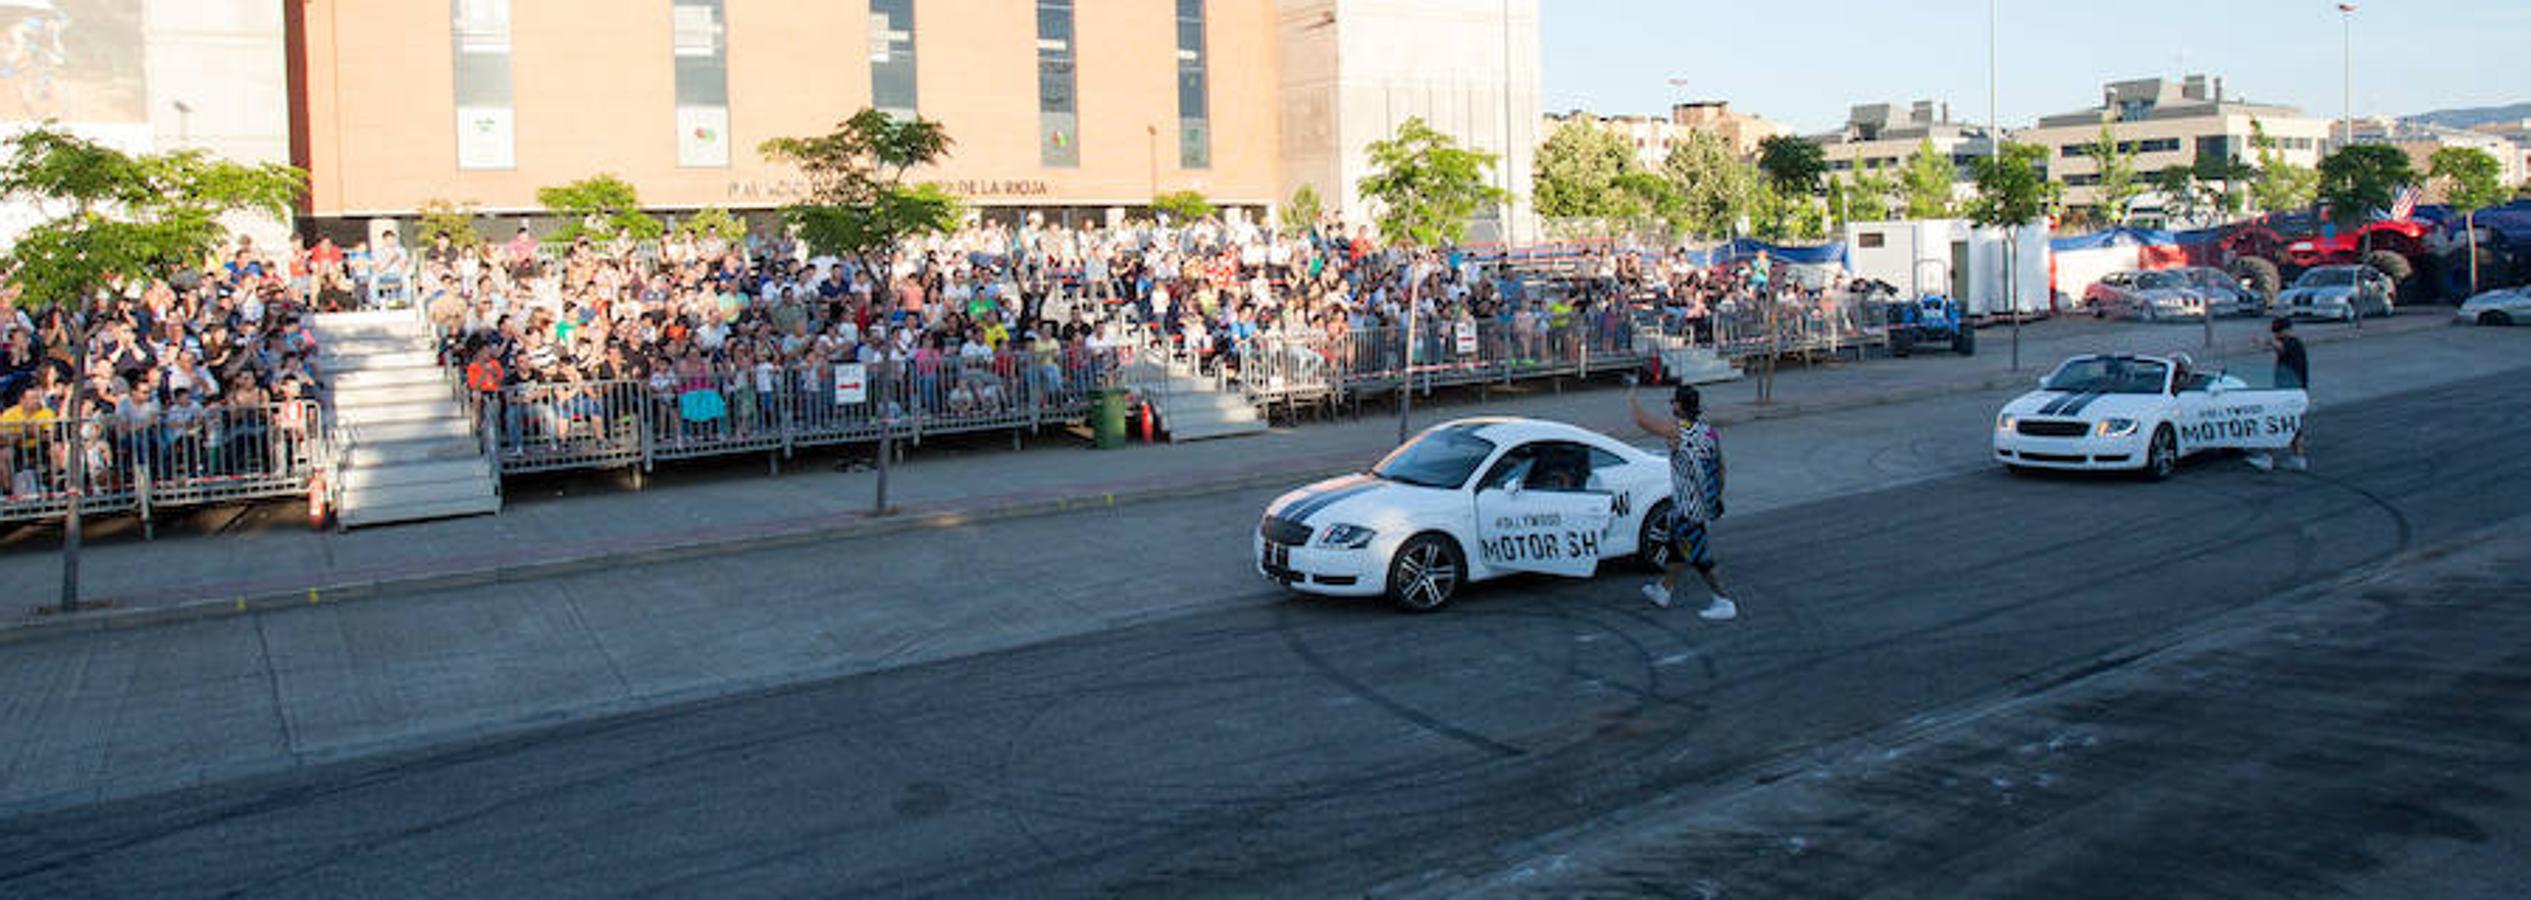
(2178, 187)
(1184, 206)
(858, 203)
(2013, 190)
(1927, 178)
(1793, 165)
(1302, 214)
(1875, 195)
(1715, 187)
(1424, 187)
(2279, 185)
(2360, 179)
(713, 222)
(1647, 202)
(601, 207)
(1574, 177)
(118, 220)
(2471, 180)
(2115, 167)
(441, 217)
(2218, 181)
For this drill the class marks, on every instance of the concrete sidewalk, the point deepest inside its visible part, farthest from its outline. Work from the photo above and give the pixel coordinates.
(131, 582)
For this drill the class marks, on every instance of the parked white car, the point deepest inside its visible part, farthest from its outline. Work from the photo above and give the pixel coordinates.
(2503, 306)
(2140, 413)
(1468, 501)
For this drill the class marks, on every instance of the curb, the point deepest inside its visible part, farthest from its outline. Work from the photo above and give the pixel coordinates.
(844, 527)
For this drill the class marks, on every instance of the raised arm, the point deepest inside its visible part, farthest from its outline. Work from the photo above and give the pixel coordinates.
(1652, 425)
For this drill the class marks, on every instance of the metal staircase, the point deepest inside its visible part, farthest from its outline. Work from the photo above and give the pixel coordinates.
(409, 451)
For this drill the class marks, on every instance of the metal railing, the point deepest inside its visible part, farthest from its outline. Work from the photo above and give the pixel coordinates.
(607, 424)
(181, 458)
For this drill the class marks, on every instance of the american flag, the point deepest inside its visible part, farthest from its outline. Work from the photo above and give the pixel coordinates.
(2404, 203)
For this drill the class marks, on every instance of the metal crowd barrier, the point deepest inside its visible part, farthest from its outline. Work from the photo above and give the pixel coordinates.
(225, 454)
(607, 424)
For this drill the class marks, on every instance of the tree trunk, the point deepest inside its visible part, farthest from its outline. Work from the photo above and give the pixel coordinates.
(78, 467)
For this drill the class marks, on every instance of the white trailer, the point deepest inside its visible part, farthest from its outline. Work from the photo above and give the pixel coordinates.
(1955, 258)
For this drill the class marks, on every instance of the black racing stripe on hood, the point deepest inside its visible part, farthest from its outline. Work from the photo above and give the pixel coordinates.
(1300, 510)
(2076, 408)
(2057, 405)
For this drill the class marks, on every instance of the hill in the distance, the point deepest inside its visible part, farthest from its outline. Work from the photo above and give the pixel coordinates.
(2474, 116)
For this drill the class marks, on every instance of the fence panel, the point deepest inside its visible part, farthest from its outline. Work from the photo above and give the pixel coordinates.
(217, 455)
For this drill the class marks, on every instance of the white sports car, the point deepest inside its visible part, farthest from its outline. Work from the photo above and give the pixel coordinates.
(1468, 501)
(2503, 306)
(2140, 413)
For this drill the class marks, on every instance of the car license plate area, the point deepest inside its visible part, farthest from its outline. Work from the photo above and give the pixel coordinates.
(1278, 563)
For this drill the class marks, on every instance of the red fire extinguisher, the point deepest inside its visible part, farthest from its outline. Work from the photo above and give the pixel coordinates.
(319, 512)
(1146, 421)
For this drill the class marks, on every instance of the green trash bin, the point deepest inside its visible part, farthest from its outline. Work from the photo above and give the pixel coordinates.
(1107, 418)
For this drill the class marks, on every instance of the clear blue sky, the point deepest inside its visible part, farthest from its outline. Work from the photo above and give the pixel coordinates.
(1803, 62)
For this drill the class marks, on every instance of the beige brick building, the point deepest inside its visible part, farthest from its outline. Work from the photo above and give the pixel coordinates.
(2165, 123)
(1057, 106)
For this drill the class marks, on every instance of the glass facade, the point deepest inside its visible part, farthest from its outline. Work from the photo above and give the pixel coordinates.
(892, 57)
(1058, 108)
(702, 57)
(486, 118)
(1195, 130)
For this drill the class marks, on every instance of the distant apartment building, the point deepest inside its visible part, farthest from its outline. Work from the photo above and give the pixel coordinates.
(1653, 137)
(2164, 123)
(2419, 140)
(1881, 136)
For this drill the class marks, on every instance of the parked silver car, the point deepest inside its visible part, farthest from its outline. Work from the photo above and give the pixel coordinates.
(2338, 293)
(2148, 295)
(2502, 306)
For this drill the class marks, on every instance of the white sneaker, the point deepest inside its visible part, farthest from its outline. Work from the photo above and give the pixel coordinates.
(2298, 464)
(2260, 462)
(1657, 594)
(1721, 609)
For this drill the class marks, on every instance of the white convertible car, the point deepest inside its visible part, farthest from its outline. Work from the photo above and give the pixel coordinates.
(1468, 501)
(2140, 413)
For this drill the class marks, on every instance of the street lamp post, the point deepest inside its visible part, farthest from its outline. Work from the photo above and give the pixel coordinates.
(1995, 147)
(2346, 40)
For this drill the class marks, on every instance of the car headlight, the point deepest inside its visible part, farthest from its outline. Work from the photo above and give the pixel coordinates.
(1347, 537)
(2115, 427)
(2005, 422)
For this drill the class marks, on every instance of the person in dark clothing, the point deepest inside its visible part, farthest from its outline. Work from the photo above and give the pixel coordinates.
(2293, 371)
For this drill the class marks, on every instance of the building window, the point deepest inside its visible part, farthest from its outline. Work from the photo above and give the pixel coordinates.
(1871, 240)
(892, 57)
(1195, 128)
(1058, 111)
(486, 121)
(701, 46)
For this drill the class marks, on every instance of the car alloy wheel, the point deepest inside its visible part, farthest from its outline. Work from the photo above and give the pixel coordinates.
(2162, 458)
(1425, 574)
(1652, 545)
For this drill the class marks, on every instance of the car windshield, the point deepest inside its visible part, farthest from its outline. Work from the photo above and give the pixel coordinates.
(1442, 458)
(2153, 281)
(2326, 278)
(2109, 375)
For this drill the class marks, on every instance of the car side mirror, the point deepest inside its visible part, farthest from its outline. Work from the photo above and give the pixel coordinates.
(2043, 382)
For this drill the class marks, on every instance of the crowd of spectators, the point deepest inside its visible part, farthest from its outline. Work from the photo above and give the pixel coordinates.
(967, 321)
(190, 375)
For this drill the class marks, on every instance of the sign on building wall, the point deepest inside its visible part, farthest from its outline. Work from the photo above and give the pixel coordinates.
(703, 136)
(486, 137)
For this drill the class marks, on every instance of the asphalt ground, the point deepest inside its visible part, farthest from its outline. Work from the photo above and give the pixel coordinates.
(1224, 741)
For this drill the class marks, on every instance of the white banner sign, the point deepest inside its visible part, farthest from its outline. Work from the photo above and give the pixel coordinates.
(703, 136)
(852, 384)
(486, 137)
(1466, 338)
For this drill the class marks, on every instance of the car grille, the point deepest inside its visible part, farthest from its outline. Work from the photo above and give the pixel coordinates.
(1280, 530)
(2053, 428)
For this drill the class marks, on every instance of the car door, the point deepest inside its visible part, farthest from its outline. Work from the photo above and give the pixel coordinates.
(1536, 511)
